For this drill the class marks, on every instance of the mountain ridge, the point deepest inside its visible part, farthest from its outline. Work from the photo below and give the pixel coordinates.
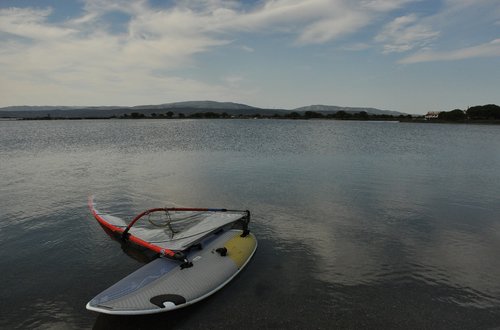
(187, 107)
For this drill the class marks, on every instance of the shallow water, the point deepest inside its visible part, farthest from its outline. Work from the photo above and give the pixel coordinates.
(360, 224)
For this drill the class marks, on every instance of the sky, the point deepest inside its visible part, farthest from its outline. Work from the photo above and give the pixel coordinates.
(411, 56)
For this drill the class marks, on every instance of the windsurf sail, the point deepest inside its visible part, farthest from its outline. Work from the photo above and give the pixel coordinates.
(170, 231)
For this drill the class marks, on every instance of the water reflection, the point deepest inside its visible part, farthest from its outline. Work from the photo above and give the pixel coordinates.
(359, 224)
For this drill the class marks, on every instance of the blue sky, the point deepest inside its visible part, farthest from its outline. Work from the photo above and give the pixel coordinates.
(412, 56)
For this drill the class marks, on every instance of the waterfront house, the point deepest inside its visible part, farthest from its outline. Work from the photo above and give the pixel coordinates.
(432, 115)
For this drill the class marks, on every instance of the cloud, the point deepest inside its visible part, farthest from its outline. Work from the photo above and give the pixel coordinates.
(154, 45)
(456, 21)
(30, 23)
(87, 53)
(384, 5)
(83, 61)
(233, 80)
(491, 49)
(405, 33)
(247, 49)
(316, 21)
(330, 29)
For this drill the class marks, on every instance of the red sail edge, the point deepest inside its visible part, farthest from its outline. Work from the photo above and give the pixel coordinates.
(132, 238)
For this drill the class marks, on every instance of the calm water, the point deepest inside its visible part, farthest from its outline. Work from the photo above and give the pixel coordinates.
(360, 224)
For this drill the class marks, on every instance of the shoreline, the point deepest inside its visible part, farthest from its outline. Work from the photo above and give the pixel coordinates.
(394, 119)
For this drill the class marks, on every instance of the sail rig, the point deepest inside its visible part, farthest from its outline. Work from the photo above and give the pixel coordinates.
(172, 231)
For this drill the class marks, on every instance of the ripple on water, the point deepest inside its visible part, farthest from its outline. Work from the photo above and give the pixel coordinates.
(359, 224)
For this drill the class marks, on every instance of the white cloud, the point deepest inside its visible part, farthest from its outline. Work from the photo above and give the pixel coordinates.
(426, 36)
(385, 5)
(332, 28)
(491, 49)
(85, 56)
(233, 81)
(452, 5)
(30, 23)
(405, 33)
(317, 21)
(247, 49)
(83, 62)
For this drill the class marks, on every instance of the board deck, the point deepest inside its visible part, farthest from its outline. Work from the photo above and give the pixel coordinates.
(162, 285)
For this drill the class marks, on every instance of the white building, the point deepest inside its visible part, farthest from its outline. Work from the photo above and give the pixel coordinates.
(432, 115)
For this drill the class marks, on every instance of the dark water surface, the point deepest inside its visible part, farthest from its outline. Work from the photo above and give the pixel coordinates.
(360, 224)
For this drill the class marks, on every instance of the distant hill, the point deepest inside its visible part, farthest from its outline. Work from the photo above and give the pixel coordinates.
(185, 108)
(36, 108)
(206, 105)
(175, 105)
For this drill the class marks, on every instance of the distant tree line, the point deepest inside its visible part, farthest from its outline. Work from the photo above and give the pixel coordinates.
(479, 112)
(139, 115)
(341, 115)
(489, 111)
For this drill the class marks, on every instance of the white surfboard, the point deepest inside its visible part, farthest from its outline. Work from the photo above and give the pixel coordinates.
(166, 284)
